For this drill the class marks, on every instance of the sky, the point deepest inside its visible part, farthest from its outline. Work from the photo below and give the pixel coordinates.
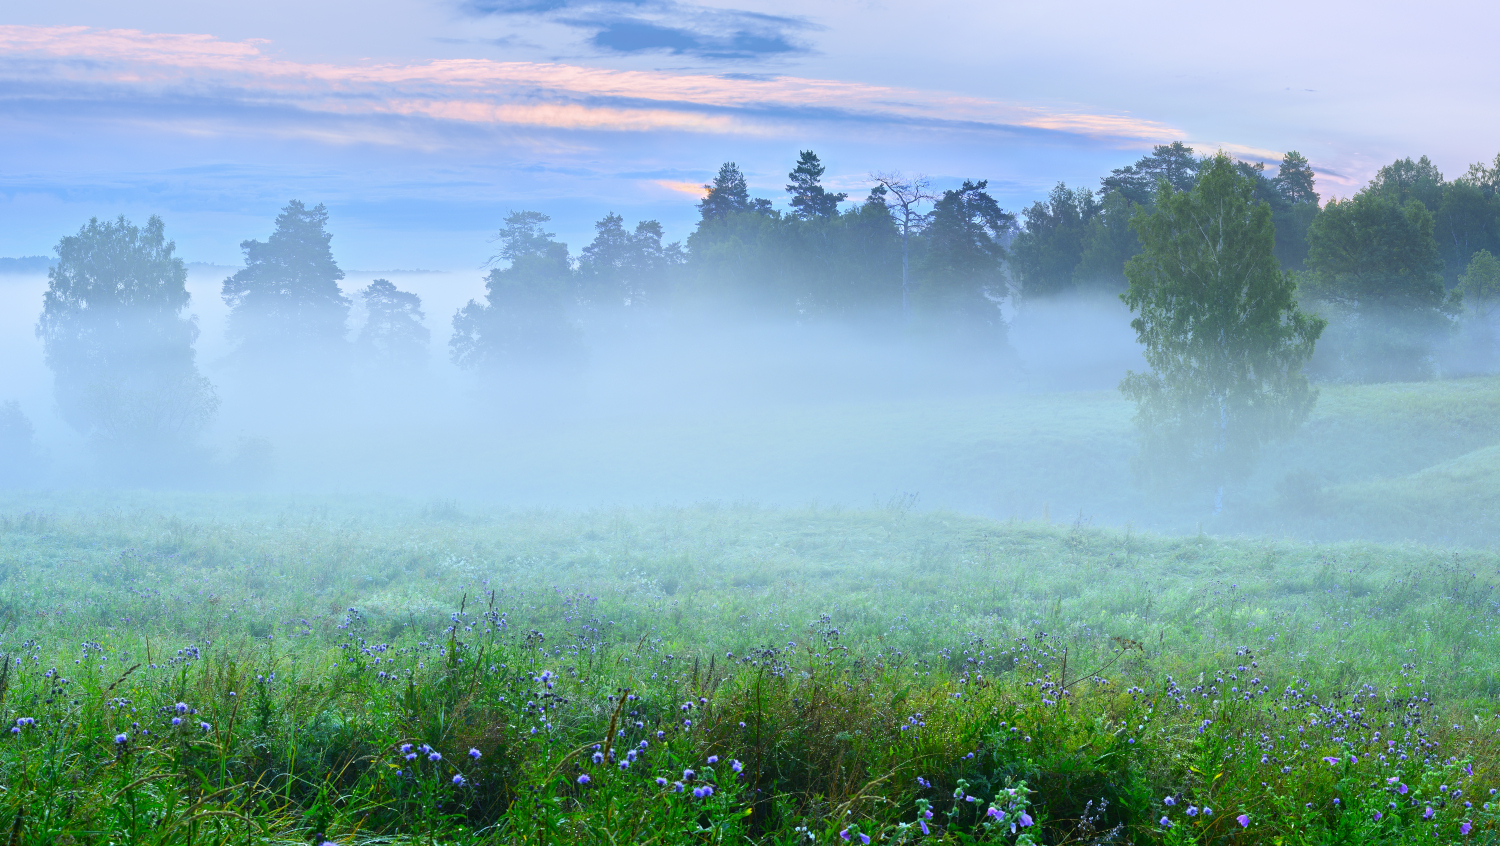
(421, 123)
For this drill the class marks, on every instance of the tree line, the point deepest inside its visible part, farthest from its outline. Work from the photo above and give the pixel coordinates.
(1390, 270)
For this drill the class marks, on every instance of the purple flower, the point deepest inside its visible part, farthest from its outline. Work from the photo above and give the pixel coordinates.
(1192, 811)
(584, 779)
(121, 738)
(1378, 815)
(923, 824)
(687, 775)
(864, 838)
(661, 782)
(176, 721)
(922, 782)
(405, 748)
(1401, 790)
(1025, 819)
(1243, 820)
(1429, 813)
(435, 756)
(1165, 823)
(995, 813)
(458, 780)
(205, 726)
(844, 834)
(624, 765)
(1207, 811)
(475, 754)
(736, 766)
(713, 759)
(676, 787)
(1465, 828)
(598, 757)
(1169, 801)
(182, 707)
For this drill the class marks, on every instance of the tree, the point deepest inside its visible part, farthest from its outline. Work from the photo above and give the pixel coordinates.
(287, 297)
(1480, 287)
(1295, 180)
(728, 194)
(19, 462)
(809, 198)
(963, 258)
(1405, 180)
(1480, 284)
(394, 335)
(1047, 252)
(1465, 221)
(524, 318)
(1172, 163)
(620, 267)
(120, 348)
(1108, 244)
(1377, 261)
(909, 195)
(1221, 328)
(1484, 177)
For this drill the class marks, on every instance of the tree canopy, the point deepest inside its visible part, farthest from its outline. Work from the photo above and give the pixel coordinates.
(287, 296)
(1221, 330)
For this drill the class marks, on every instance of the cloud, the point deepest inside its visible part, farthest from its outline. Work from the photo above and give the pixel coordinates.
(662, 26)
(93, 65)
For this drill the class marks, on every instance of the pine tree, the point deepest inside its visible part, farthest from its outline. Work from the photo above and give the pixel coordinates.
(287, 297)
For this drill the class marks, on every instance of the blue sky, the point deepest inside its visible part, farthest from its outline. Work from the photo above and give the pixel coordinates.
(422, 122)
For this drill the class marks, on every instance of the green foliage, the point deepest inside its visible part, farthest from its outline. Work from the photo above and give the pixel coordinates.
(1221, 329)
(524, 318)
(1378, 263)
(119, 347)
(393, 335)
(1047, 252)
(287, 296)
(623, 268)
(1404, 180)
(1480, 283)
(909, 677)
(809, 198)
(961, 270)
(1174, 163)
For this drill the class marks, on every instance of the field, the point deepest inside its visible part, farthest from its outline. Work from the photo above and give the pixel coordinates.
(232, 669)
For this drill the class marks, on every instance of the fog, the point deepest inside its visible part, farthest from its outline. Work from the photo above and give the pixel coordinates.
(668, 408)
(683, 405)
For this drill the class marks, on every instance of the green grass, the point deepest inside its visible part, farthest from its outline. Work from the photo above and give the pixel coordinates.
(1075, 674)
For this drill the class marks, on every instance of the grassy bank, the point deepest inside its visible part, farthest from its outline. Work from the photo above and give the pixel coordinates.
(849, 670)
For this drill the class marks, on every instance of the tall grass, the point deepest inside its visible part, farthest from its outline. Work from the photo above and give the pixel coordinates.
(825, 675)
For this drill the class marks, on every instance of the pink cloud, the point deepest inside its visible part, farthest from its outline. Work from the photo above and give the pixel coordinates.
(524, 93)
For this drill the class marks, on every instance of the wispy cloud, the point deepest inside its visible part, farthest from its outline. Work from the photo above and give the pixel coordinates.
(662, 26)
(61, 62)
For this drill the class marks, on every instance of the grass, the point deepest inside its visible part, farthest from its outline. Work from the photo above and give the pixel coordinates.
(829, 673)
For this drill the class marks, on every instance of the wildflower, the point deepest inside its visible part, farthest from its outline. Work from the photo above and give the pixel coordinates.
(1207, 811)
(864, 838)
(475, 754)
(1025, 819)
(1165, 823)
(458, 780)
(182, 707)
(435, 756)
(687, 775)
(1169, 801)
(922, 782)
(713, 759)
(598, 757)
(1465, 828)
(1429, 813)
(205, 727)
(584, 778)
(995, 813)
(624, 765)
(736, 766)
(844, 834)
(1378, 815)
(1401, 790)
(176, 721)
(676, 787)
(1243, 820)
(923, 824)
(121, 738)
(1192, 811)
(661, 782)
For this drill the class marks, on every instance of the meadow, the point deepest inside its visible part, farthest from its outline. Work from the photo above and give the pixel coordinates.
(259, 669)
